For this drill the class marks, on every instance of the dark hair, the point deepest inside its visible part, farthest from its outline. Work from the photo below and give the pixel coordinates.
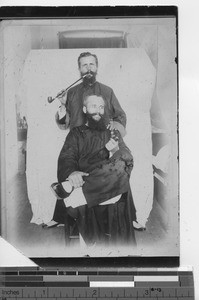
(85, 54)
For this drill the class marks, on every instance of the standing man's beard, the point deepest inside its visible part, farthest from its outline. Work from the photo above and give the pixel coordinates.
(100, 125)
(90, 79)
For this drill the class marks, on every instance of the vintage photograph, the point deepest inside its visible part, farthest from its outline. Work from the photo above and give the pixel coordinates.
(89, 139)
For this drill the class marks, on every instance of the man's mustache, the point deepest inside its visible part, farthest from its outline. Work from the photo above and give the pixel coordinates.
(94, 114)
(89, 74)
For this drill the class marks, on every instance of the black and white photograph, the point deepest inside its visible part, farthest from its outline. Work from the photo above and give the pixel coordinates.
(89, 141)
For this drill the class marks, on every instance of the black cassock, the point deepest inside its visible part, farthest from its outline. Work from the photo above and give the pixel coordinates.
(84, 150)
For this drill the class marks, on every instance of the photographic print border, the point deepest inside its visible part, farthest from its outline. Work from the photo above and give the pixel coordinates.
(13, 13)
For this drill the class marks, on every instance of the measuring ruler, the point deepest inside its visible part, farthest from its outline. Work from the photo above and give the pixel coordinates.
(96, 284)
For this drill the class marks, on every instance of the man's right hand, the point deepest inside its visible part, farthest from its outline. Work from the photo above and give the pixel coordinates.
(63, 97)
(61, 113)
(76, 178)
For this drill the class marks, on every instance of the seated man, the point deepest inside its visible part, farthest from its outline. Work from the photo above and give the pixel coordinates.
(94, 168)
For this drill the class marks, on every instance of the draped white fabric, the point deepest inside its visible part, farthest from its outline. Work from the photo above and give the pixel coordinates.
(131, 75)
(11, 65)
(134, 84)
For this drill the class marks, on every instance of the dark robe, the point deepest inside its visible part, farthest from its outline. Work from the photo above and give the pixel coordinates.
(109, 224)
(84, 150)
(74, 103)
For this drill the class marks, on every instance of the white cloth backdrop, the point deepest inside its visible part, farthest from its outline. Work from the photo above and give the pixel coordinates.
(131, 75)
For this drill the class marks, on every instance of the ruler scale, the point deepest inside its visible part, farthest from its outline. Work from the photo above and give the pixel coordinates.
(96, 284)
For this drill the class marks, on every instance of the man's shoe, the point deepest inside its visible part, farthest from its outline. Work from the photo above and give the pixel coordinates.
(50, 224)
(59, 191)
(137, 226)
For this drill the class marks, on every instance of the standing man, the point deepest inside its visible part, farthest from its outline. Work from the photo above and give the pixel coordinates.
(71, 113)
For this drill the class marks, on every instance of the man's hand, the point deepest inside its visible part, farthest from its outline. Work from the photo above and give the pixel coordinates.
(117, 126)
(61, 111)
(111, 125)
(62, 98)
(76, 178)
(115, 135)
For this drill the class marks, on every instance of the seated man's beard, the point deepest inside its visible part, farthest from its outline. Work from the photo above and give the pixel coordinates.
(100, 125)
(90, 79)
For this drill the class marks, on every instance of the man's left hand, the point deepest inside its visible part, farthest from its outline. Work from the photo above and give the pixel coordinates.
(117, 126)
